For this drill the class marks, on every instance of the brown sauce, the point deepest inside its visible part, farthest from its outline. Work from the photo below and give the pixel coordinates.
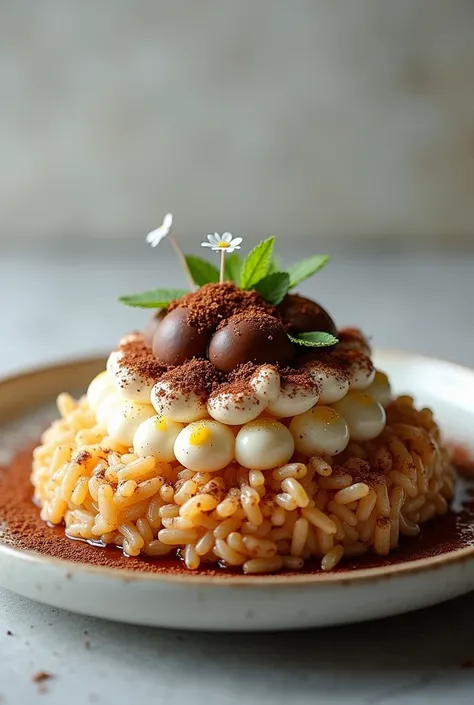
(21, 527)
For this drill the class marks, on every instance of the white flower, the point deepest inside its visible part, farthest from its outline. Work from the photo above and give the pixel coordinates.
(156, 236)
(222, 242)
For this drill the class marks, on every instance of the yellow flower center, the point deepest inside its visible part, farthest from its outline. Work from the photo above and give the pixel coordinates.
(223, 244)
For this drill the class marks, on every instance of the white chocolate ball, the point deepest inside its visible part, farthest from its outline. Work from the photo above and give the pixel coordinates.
(100, 388)
(133, 385)
(353, 339)
(364, 416)
(156, 436)
(125, 420)
(235, 408)
(205, 446)
(263, 444)
(380, 389)
(266, 383)
(359, 368)
(176, 405)
(293, 400)
(320, 430)
(333, 382)
(107, 407)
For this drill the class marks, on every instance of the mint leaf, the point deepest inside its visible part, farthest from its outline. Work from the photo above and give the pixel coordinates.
(306, 268)
(202, 272)
(315, 339)
(233, 267)
(156, 298)
(274, 287)
(257, 263)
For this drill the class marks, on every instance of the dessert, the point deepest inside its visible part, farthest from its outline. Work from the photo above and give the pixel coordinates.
(242, 430)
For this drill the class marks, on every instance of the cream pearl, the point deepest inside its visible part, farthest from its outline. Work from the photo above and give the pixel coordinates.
(294, 399)
(100, 388)
(234, 408)
(175, 405)
(364, 416)
(205, 446)
(333, 382)
(320, 430)
(380, 389)
(359, 368)
(156, 436)
(125, 420)
(263, 444)
(266, 383)
(107, 407)
(133, 385)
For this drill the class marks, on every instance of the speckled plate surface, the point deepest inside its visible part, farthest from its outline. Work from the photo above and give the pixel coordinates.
(223, 602)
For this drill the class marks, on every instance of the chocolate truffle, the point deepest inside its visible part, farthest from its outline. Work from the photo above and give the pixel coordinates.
(302, 315)
(250, 337)
(152, 325)
(176, 341)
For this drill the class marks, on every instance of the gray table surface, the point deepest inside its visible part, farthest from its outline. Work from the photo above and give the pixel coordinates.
(56, 304)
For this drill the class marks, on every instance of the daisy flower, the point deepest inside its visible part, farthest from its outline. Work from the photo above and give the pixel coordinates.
(222, 242)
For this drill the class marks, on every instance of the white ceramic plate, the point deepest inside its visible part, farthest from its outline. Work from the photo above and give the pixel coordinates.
(249, 603)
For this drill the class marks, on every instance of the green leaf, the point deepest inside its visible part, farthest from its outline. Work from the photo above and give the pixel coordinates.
(306, 268)
(202, 271)
(315, 339)
(274, 287)
(257, 263)
(233, 267)
(156, 298)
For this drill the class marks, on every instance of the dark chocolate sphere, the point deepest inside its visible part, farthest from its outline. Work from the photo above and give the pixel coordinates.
(303, 315)
(175, 341)
(256, 337)
(152, 325)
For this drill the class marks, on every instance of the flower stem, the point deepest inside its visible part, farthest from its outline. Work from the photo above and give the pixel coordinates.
(182, 261)
(222, 272)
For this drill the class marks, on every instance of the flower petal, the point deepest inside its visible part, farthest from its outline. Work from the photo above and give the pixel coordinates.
(236, 241)
(213, 239)
(226, 237)
(168, 221)
(156, 236)
(207, 244)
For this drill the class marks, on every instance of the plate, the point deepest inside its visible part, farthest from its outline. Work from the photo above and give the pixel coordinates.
(242, 603)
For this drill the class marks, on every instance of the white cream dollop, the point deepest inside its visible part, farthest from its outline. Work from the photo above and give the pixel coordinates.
(106, 408)
(125, 420)
(333, 381)
(101, 387)
(133, 385)
(263, 444)
(156, 436)
(364, 415)
(320, 430)
(359, 367)
(265, 382)
(176, 405)
(234, 408)
(294, 399)
(205, 446)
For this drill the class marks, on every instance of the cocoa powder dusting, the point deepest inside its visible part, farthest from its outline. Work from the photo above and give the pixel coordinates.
(197, 376)
(139, 359)
(214, 303)
(21, 527)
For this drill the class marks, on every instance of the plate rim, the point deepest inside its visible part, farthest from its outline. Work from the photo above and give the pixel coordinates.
(358, 575)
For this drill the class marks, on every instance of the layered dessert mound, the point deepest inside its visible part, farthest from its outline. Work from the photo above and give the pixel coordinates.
(216, 438)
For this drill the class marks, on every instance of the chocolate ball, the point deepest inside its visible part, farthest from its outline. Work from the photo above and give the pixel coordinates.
(152, 325)
(303, 315)
(176, 341)
(255, 337)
